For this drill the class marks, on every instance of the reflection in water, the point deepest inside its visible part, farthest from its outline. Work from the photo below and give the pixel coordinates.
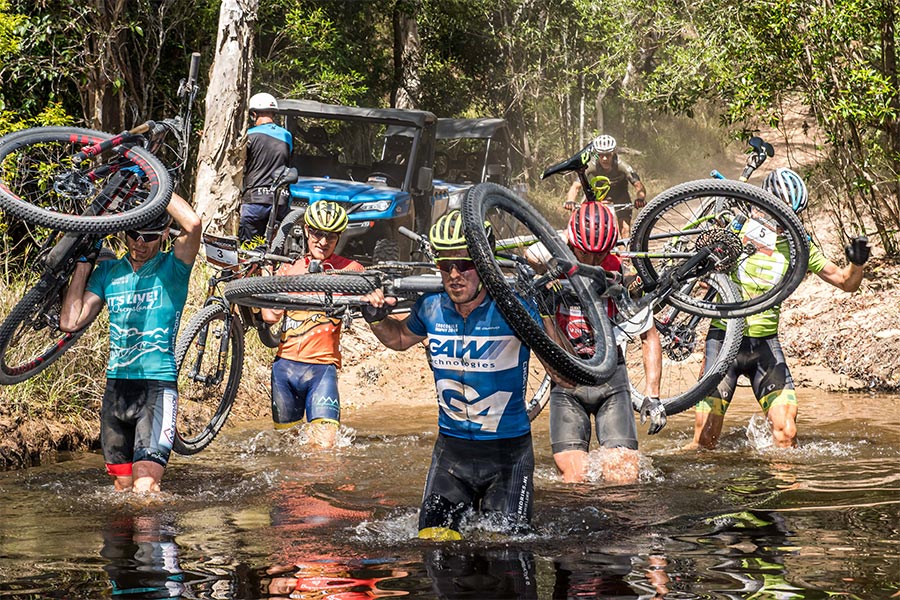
(143, 557)
(331, 579)
(501, 574)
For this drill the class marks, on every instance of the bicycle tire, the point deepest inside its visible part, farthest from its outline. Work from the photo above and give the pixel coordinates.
(664, 218)
(538, 398)
(284, 243)
(269, 334)
(683, 381)
(205, 397)
(243, 291)
(32, 158)
(30, 338)
(512, 217)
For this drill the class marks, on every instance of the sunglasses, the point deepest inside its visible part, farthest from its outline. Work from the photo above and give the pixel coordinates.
(327, 235)
(144, 236)
(461, 264)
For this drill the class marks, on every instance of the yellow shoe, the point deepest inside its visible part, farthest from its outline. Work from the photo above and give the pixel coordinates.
(439, 534)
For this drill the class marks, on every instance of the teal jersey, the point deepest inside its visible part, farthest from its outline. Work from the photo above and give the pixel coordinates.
(144, 310)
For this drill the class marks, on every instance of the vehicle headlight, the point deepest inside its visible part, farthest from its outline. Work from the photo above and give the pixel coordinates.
(379, 206)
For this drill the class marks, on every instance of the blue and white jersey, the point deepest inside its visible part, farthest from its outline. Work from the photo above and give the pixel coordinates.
(144, 310)
(480, 368)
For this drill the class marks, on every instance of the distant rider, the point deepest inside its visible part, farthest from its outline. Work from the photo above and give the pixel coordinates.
(304, 374)
(620, 175)
(269, 147)
(760, 356)
(145, 292)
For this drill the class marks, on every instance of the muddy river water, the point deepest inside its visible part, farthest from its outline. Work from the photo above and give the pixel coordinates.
(263, 515)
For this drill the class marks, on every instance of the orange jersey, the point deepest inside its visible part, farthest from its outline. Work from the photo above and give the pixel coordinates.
(311, 336)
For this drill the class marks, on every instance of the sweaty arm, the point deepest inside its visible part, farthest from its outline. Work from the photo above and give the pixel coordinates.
(79, 307)
(845, 278)
(186, 245)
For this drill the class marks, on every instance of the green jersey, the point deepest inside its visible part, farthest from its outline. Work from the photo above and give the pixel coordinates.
(759, 274)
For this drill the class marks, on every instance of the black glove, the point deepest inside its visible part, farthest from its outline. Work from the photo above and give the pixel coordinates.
(653, 409)
(92, 251)
(373, 314)
(857, 251)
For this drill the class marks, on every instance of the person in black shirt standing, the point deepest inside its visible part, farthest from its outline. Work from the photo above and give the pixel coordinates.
(269, 146)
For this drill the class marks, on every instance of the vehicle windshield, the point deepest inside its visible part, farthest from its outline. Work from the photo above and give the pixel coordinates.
(351, 150)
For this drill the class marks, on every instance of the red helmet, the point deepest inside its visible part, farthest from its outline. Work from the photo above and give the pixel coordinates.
(592, 228)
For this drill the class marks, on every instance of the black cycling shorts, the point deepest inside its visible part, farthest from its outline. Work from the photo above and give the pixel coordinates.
(137, 422)
(488, 476)
(608, 403)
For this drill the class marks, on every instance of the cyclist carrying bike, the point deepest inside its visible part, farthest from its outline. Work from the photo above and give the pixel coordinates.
(591, 234)
(304, 374)
(145, 292)
(483, 459)
(760, 356)
(620, 175)
(269, 147)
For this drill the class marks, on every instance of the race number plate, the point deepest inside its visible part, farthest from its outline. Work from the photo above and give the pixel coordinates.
(221, 251)
(760, 235)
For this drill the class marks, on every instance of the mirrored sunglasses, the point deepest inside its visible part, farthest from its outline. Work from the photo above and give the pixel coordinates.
(461, 264)
(144, 236)
(319, 234)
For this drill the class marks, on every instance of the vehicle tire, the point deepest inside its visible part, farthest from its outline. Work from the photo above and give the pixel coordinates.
(275, 292)
(285, 242)
(683, 382)
(30, 338)
(669, 224)
(209, 354)
(269, 333)
(386, 251)
(538, 395)
(32, 159)
(512, 218)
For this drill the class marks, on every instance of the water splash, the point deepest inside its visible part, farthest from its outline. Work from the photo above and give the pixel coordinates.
(393, 529)
(759, 434)
(294, 441)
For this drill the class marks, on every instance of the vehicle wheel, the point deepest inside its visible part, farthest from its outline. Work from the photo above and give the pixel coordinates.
(538, 394)
(673, 224)
(30, 338)
(386, 251)
(210, 358)
(513, 219)
(295, 291)
(289, 240)
(39, 183)
(682, 335)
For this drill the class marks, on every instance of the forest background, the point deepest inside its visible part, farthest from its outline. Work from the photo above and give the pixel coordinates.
(679, 84)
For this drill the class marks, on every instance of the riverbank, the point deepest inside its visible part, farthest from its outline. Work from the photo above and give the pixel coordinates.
(834, 341)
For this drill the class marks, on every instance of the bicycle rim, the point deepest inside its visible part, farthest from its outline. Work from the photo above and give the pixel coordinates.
(519, 225)
(30, 338)
(210, 358)
(683, 381)
(696, 215)
(122, 188)
(537, 391)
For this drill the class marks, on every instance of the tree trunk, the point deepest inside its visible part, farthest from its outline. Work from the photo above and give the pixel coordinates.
(407, 49)
(223, 148)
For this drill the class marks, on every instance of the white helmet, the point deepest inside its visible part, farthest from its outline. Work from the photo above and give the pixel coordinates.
(263, 102)
(604, 143)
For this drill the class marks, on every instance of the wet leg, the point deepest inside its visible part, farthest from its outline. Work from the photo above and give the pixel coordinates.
(572, 464)
(147, 475)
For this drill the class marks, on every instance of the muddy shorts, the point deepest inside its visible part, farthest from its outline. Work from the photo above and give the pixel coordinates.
(759, 359)
(300, 389)
(608, 403)
(137, 422)
(488, 476)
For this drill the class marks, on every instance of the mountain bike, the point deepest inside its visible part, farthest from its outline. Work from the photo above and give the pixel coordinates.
(72, 186)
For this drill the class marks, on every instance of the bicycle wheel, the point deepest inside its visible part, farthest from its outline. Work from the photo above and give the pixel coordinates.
(768, 254)
(310, 291)
(683, 382)
(40, 182)
(30, 337)
(538, 394)
(210, 358)
(519, 225)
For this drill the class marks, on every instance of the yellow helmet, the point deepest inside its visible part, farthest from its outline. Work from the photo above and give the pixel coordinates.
(601, 185)
(325, 215)
(447, 232)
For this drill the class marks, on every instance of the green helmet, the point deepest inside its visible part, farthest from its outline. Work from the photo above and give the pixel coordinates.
(447, 233)
(325, 215)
